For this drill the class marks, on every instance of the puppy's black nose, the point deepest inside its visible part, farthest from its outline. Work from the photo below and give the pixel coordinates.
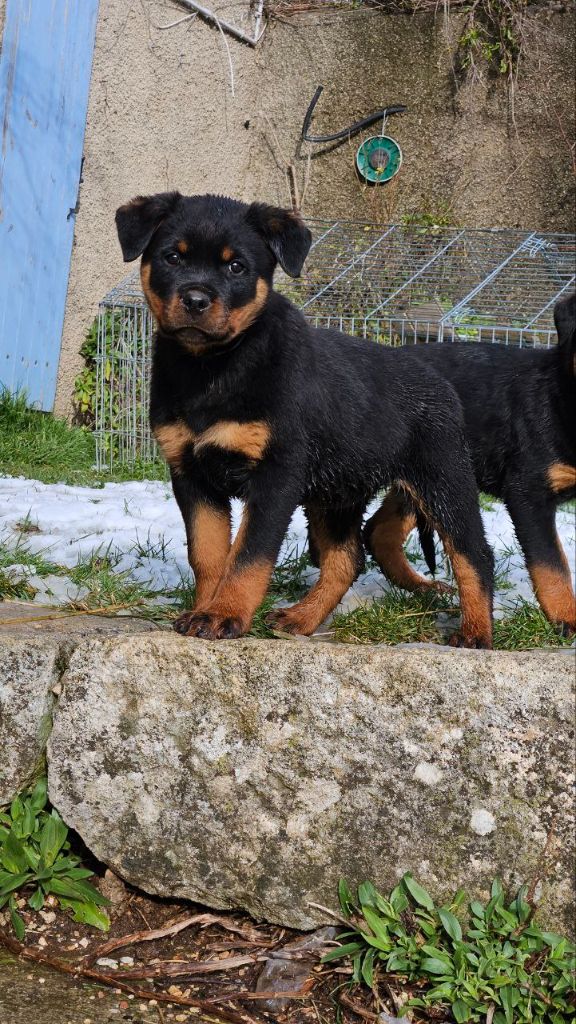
(196, 301)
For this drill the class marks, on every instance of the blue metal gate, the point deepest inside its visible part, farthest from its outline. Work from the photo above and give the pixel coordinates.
(45, 67)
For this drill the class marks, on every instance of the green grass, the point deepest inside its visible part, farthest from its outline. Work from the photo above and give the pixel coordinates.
(398, 618)
(42, 447)
(395, 618)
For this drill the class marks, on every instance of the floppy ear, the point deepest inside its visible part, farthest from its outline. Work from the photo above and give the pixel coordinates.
(137, 221)
(284, 233)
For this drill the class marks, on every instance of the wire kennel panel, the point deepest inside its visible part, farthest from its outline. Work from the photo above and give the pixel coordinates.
(394, 285)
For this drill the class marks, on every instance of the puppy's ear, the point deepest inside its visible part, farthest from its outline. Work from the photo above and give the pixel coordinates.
(284, 233)
(137, 221)
(565, 321)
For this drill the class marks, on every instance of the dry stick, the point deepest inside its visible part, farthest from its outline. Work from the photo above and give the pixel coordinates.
(172, 927)
(78, 970)
(348, 1002)
(179, 968)
(300, 993)
(332, 913)
(69, 615)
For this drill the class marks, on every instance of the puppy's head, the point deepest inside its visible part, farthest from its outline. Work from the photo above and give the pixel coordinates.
(208, 261)
(565, 320)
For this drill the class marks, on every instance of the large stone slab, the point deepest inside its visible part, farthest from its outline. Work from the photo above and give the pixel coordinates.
(35, 644)
(255, 774)
(29, 668)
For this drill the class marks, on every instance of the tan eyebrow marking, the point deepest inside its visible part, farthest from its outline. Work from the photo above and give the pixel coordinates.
(182, 247)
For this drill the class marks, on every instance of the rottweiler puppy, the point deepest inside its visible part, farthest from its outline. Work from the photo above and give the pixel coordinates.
(520, 413)
(249, 401)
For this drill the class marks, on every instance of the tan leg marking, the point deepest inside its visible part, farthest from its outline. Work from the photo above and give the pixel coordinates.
(249, 439)
(474, 600)
(240, 590)
(173, 439)
(561, 476)
(553, 588)
(338, 570)
(388, 530)
(208, 536)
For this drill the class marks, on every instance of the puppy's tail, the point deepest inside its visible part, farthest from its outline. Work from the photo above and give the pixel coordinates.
(426, 538)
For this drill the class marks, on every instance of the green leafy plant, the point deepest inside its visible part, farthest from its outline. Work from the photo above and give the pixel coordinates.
(35, 858)
(499, 965)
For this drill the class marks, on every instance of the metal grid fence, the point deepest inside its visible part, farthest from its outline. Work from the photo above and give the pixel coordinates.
(394, 285)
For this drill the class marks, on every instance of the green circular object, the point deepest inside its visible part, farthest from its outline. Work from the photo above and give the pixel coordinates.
(379, 158)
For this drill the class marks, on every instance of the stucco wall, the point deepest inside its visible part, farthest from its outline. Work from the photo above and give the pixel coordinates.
(161, 115)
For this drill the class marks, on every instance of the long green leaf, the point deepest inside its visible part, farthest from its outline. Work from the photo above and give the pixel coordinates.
(10, 882)
(376, 923)
(431, 965)
(12, 855)
(450, 924)
(348, 950)
(87, 913)
(461, 1011)
(52, 838)
(77, 890)
(345, 897)
(17, 922)
(39, 796)
(418, 894)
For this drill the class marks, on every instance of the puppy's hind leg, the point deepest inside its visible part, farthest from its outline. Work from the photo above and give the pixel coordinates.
(447, 494)
(385, 534)
(335, 535)
(535, 526)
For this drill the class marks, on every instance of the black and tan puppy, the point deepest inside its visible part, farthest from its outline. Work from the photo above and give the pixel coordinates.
(520, 412)
(249, 401)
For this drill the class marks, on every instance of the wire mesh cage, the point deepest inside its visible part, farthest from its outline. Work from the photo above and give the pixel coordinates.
(395, 285)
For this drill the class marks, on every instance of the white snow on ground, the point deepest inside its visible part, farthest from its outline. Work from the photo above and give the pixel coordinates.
(140, 522)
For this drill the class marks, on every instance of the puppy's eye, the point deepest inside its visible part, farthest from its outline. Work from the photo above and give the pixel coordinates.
(236, 267)
(173, 258)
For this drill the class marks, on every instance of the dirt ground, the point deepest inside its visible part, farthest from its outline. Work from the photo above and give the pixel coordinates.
(152, 979)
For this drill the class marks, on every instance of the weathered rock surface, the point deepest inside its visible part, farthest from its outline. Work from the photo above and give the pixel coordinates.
(255, 774)
(35, 645)
(28, 671)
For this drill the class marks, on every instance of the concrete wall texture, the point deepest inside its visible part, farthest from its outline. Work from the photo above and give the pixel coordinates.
(162, 115)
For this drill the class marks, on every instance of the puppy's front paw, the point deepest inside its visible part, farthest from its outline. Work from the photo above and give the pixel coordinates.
(210, 626)
(475, 643)
(288, 621)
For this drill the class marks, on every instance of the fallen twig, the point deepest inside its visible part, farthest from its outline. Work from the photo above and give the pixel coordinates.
(68, 615)
(113, 981)
(171, 927)
(300, 993)
(350, 1004)
(179, 968)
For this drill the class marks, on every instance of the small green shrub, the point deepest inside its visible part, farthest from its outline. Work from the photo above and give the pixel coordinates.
(499, 965)
(35, 858)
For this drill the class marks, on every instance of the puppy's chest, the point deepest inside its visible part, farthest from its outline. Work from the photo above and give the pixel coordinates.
(225, 451)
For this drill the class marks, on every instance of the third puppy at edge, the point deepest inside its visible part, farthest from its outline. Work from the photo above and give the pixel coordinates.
(249, 401)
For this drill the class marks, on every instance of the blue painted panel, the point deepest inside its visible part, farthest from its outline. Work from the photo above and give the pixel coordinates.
(45, 68)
